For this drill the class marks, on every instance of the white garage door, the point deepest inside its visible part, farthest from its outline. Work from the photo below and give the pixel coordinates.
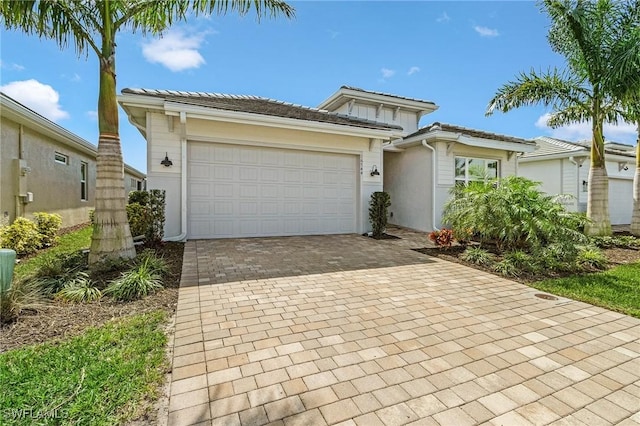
(242, 191)
(620, 201)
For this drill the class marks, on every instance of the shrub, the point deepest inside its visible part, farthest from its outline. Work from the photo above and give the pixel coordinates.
(442, 238)
(507, 268)
(591, 258)
(155, 263)
(48, 225)
(22, 236)
(621, 241)
(56, 270)
(136, 283)
(139, 219)
(478, 256)
(157, 207)
(79, 290)
(513, 213)
(378, 206)
(23, 294)
(521, 260)
(139, 197)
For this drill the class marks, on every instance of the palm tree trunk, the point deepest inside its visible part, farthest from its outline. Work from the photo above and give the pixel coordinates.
(598, 195)
(111, 234)
(635, 216)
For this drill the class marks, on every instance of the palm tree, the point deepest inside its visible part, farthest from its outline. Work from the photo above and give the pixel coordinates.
(586, 33)
(92, 26)
(628, 90)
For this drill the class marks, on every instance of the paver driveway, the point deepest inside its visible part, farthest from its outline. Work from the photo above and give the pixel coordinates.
(331, 329)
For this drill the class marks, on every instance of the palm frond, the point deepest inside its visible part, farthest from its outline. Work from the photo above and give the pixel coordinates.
(550, 88)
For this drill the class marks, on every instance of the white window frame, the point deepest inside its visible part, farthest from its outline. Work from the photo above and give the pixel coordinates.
(84, 174)
(467, 176)
(61, 158)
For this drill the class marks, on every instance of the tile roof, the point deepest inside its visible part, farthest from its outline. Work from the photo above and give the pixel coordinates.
(259, 105)
(436, 126)
(555, 146)
(386, 94)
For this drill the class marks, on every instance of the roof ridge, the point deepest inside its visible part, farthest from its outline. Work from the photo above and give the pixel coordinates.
(504, 135)
(386, 94)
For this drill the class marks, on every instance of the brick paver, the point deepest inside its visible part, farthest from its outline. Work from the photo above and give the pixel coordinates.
(346, 329)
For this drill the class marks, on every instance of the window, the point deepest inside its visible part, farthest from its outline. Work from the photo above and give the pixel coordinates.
(474, 169)
(61, 158)
(84, 171)
(133, 184)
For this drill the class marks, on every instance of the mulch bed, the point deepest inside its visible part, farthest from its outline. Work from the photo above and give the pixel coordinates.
(58, 320)
(615, 256)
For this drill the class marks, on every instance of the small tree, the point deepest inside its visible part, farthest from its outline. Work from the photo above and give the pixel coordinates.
(380, 202)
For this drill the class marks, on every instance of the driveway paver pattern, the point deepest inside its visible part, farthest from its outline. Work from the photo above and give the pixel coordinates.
(349, 330)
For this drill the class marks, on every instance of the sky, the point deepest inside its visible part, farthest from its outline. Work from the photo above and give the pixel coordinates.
(456, 54)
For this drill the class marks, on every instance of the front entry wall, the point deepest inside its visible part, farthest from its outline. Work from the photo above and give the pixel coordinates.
(250, 180)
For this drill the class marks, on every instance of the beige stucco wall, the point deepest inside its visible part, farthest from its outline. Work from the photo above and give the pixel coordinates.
(55, 186)
(164, 138)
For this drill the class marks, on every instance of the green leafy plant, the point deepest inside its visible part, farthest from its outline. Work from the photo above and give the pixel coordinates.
(591, 258)
(48, 225)
(442, 238)
(79, 290)
(135, 283)
(512, 213)
(139, 219)
(22, 236)
(478, 255)
(378, 212)
(507, 268)
(23, 294)
(154, 262)
(157, 207)
(139, 197)
(521, 260)
(621, 241)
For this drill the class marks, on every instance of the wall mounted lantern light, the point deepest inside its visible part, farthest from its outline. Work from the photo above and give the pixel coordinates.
(166, 162)
(374, 171)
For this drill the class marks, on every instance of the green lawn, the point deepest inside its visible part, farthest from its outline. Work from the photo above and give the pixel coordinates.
(617, 289)
(69, 243)
(98, 378)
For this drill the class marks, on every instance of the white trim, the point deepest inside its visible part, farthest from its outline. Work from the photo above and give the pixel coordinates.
(416, 106)
(466, 140)
(246, 142)
(207, 113)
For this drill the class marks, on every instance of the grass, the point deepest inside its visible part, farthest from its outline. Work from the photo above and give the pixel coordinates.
(98, 378)
(69, 243)
(617, 289)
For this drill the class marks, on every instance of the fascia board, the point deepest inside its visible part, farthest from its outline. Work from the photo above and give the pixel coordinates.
(334, 101)
(205, 113)
(558, 156)
(466, 140)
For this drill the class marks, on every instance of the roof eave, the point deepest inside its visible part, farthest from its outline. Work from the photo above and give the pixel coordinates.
(435, 135)
(208, 113)
(22, 115)
(344, 95)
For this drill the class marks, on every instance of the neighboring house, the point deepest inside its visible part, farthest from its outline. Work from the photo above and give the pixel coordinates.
(46, 168)
(246, 166)
(563, 168)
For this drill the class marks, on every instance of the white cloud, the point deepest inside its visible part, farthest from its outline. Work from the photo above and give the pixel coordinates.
(622, 132)
(387, 73)
(93, 115)
(486, 32)
(12, 66)
(176, 51)
(40, 97)
(413, 70)
(443, 17)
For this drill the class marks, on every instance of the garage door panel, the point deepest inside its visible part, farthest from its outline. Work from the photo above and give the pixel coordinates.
(620, 201)
(243, 191)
